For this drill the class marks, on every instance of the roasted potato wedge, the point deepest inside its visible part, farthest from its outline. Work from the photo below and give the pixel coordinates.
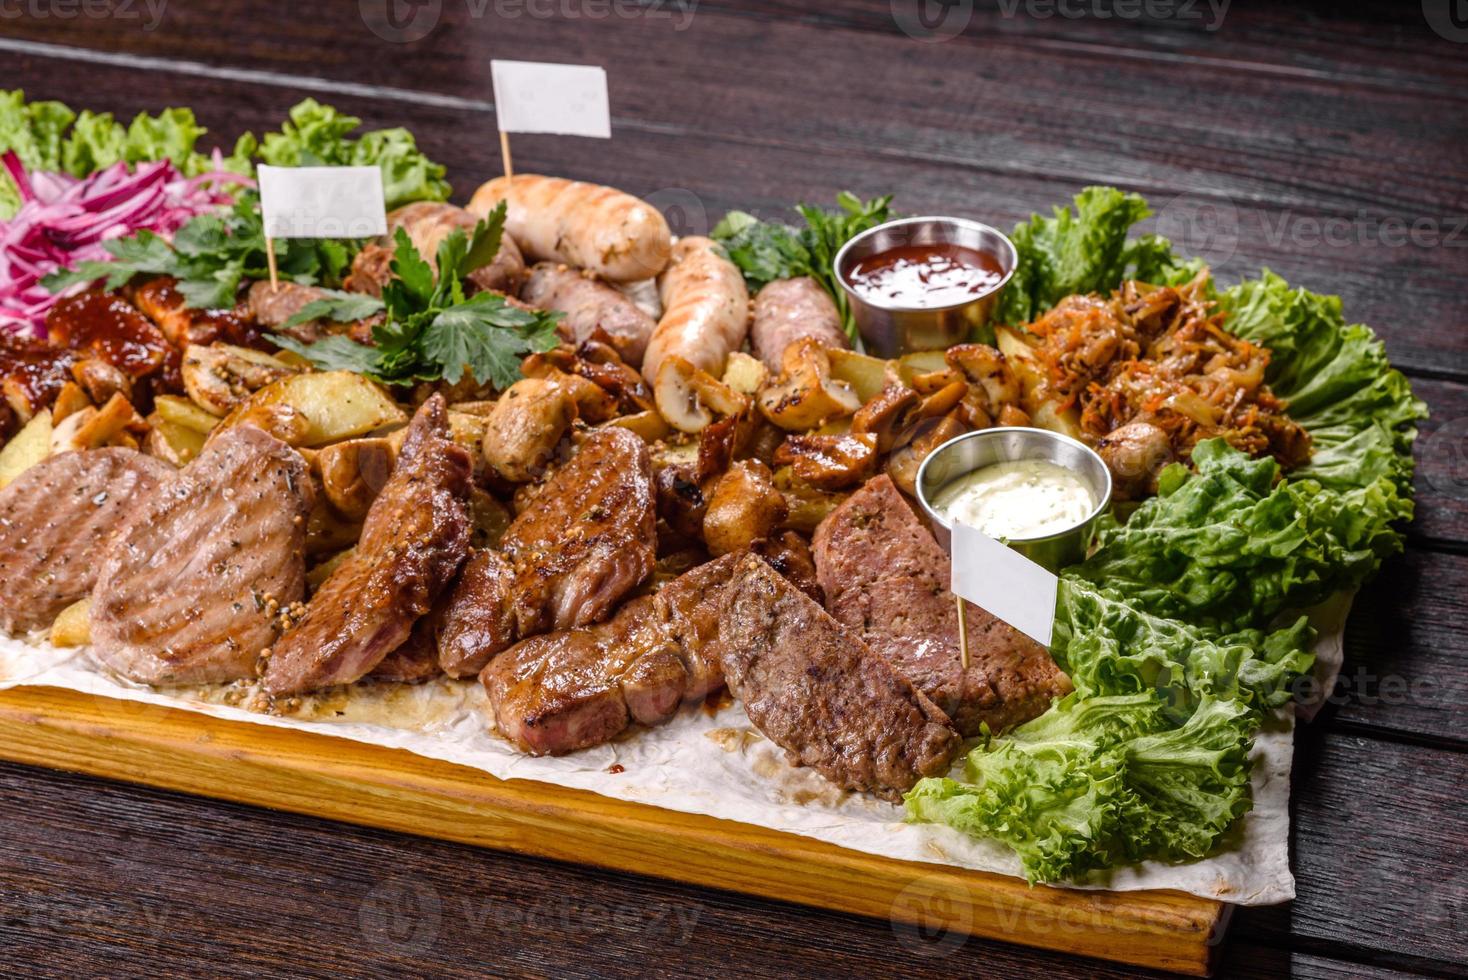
(182, 412)
(1036, 397)
(73, 625)
(29, 446)
(866, 375)
(919, 362)
(335, 405)
(171, 442)
(744, 373)
(650, 425)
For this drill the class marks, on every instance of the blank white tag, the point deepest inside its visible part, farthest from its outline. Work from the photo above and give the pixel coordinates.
(539, 97)
(322, 202)
(1004, 582)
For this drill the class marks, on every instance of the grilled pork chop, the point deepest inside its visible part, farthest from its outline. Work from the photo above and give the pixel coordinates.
(886, 578)
(817, 691)
(187, 591)
(588, 538)
(576, 688)
(54, 520)
(413, 541)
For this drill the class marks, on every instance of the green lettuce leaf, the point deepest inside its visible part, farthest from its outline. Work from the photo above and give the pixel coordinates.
(1084, 248)
(1229, 548)
(319, 135)
(1101, 781)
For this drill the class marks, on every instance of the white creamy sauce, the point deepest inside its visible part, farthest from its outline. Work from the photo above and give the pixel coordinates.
(1026, 498)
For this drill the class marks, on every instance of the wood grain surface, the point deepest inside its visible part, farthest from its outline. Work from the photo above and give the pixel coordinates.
(1308, 130)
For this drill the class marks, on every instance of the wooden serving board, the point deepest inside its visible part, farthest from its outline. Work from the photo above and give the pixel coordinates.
(393, 789)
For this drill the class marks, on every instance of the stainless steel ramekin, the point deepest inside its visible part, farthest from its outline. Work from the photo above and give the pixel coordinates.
(892, 330)
(974, 450)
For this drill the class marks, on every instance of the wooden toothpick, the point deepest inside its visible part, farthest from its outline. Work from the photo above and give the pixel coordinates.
(505, 155)
(962, 630)
(270, 262)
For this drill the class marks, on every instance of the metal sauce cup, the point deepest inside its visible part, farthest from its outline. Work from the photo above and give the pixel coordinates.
(892, 330)
(974, 450)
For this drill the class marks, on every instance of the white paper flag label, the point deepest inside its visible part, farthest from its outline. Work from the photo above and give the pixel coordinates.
(538, 97)
(1004, 582)
(322, 202)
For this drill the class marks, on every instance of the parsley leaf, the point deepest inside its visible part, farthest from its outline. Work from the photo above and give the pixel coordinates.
(432, 331)
(766, 250)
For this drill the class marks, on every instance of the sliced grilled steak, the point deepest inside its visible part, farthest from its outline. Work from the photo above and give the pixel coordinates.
(821, 694)
(886, 578)
(587, 539)
(188, 589)
(55, 521)
(413, 662)
(413, 541)
(576, 688)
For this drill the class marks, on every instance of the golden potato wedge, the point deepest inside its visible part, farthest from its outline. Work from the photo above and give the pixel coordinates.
(744, 373)
(468, 430)
(336, 405)
(170, 442)
(70, 400)
(182, 412)
(743, 508)
(649, 425)
(920, 362)
(1036, 396)
(28, 447)
(73, 625)
(866, 375)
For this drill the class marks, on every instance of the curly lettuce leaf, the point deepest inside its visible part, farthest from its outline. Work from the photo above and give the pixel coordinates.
(1229, 548)
(319, 135)
(1101, 781)
(1084, 248)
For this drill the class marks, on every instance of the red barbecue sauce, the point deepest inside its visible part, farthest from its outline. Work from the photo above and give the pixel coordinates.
(926, 276)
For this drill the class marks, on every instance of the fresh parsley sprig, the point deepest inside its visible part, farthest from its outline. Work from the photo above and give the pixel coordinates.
(430, 330)
(767, 250)
(211, 255)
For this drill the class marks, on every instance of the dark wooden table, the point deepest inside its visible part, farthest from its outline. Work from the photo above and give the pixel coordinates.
(1329, 145)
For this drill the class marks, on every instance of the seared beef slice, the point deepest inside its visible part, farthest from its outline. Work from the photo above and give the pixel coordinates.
(414, 539)
(587, 539)
(821, 694)
(188, 590)
(55, 518)
(886, 578)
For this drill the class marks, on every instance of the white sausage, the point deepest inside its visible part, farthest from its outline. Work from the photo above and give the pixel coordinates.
(615, 235)
(705, 309)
